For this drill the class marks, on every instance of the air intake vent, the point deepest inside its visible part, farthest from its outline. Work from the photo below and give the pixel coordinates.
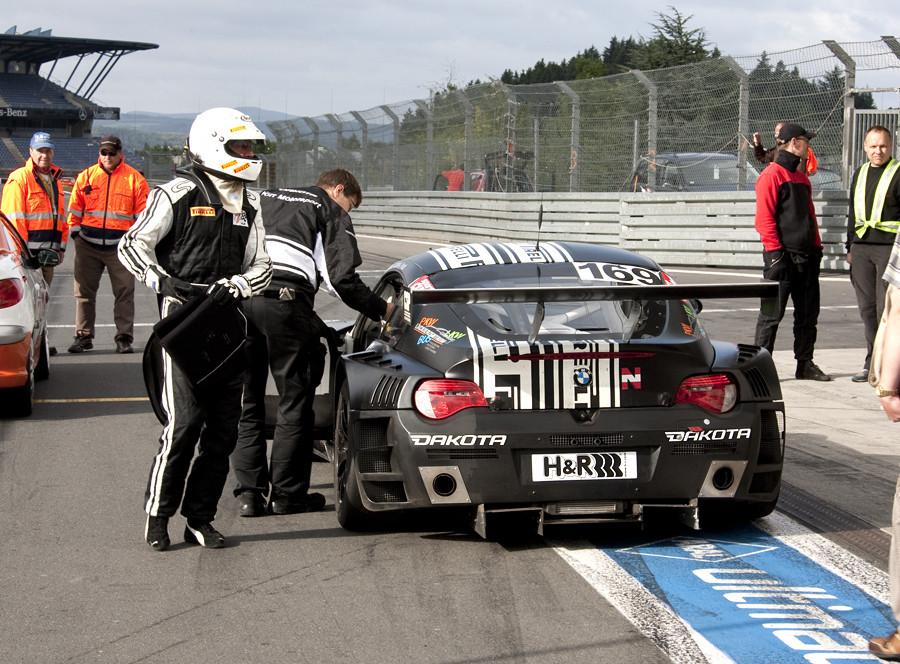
(385, 492)
(387, 392)
(371, 433)
(375, 460)
(747, 352)
(586, 439)
(766, 482)
(704, 447)
(757, 383)
(475, 453)
(770, 450)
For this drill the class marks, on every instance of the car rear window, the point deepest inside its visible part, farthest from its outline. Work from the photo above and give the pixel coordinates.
(617, 320)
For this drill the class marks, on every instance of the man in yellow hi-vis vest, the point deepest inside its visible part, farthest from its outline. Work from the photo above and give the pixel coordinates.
(871, 230)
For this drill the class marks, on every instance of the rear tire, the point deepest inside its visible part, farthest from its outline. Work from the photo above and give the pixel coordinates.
(42, 369)
(347, 501)
(19, 401)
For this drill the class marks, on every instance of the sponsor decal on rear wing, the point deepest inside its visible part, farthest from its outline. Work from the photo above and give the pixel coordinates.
(764, 290)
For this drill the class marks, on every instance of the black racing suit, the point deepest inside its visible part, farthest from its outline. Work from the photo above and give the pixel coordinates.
(311, 241)
(185, 232)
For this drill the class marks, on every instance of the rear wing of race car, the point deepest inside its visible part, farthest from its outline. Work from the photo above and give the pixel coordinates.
(765, 290)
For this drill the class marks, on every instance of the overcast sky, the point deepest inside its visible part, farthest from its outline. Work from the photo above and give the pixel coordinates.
(305, 58)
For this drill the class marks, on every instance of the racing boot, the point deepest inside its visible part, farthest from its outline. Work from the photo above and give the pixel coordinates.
(203, 533)
(156, 532)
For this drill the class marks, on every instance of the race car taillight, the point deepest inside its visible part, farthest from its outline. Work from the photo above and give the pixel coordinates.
(11, 292)
(716, 393)
(440, 398)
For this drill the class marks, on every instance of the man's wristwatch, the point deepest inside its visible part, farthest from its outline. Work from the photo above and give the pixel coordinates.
(882, 392)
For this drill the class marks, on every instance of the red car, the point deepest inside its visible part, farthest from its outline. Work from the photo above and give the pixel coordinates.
(24, 353)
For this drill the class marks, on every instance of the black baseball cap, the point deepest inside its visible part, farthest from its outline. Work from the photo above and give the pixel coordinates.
(110, 143)
(790, 130)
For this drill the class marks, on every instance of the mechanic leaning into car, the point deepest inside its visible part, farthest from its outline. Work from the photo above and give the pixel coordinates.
(33, 200)
(871, 230)
(310, 238)
(792, 249)
(105, 201)
(201, 232)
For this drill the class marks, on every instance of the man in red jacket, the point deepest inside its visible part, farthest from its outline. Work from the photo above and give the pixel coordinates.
(786, 223)
(105, 201)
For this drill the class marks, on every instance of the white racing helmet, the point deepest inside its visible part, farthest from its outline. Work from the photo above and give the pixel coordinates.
(208, 144)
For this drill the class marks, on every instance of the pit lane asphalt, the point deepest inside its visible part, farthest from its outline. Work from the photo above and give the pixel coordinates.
(81, 586)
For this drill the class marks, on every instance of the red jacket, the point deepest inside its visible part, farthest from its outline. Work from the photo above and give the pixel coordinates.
(785, 214)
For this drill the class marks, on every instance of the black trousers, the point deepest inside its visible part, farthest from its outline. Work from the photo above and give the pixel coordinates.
(800, 284)
(284, 337)
(867, 265)
(202, 419)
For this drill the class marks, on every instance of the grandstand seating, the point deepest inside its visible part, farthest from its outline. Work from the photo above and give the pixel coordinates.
(32, 91)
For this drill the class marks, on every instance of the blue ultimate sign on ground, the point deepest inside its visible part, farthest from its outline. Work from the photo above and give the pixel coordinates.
(758, 600)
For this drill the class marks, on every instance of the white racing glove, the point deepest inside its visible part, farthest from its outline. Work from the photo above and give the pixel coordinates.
(230, 291)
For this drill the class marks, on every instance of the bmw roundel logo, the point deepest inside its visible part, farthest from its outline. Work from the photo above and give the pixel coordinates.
(583, 376)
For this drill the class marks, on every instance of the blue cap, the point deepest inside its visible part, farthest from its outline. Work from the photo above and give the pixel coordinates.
(41, 140)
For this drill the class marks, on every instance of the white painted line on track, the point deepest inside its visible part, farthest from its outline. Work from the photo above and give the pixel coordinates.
(829, 555)
(651, 617)
(684, 644)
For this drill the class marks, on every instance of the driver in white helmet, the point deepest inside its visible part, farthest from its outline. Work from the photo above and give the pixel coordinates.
(200, 233)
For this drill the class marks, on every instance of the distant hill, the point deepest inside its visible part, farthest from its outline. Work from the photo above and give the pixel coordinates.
(137, 128)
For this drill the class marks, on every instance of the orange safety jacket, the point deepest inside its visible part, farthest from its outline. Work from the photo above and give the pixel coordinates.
(40, 221)
(104, 205)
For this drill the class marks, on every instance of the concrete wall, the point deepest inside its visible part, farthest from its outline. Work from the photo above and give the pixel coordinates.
(698, 229)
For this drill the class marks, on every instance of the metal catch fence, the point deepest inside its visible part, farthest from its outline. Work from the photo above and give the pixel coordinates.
(593, 135)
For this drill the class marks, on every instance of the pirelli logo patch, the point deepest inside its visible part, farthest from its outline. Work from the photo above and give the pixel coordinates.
(203, 211)
(240, 128)
(229, 164)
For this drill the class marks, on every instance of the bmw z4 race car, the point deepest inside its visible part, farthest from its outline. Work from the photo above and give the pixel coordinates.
(570, 382)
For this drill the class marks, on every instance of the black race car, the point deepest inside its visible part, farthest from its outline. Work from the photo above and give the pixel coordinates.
(570, 382)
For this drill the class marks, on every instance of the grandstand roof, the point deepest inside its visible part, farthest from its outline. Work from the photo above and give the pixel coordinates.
(39, 47)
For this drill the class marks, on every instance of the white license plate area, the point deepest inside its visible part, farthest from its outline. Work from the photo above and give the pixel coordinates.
(584, 466)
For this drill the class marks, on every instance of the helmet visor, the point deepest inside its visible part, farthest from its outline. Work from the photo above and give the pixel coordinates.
(242, 148)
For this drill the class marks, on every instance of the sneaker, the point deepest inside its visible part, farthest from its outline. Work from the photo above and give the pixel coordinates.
(123, 345)
(203, 533)
(82, 343)
(310, 502)
(52, 350)
(861, 377)
(807, 370)
(251, 504)
(157, 532)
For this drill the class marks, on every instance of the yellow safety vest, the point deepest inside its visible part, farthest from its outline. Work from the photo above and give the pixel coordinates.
(859, 201)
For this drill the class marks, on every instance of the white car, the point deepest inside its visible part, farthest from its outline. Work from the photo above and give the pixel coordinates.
(24, 352)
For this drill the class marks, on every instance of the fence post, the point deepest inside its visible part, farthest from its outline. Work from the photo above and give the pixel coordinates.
(315, 150)
(849, 83)
(575, 142)
(395, 175)
(467, 149)
(743, 118)
(429, 140)
(364, 127)
(652, 111)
